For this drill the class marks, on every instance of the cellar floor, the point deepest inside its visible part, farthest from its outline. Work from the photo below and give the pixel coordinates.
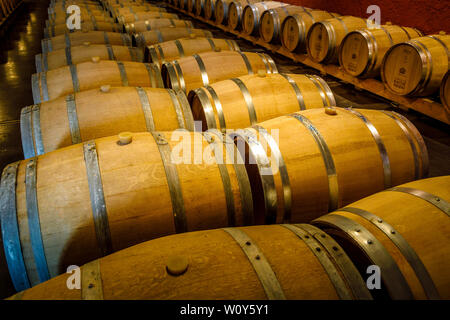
(21, 42)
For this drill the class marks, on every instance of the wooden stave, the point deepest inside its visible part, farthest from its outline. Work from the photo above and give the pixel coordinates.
(56, 265)
(87, 26)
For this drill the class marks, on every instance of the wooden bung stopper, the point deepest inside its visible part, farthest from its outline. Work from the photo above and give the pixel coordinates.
(389, 23)
(125, 138)
(95, 59)
(86, 43)
(217, 49)
(261, 73)
(105, 88)
(442, 33)
(177, 265)
(192, 36)
(330, 111)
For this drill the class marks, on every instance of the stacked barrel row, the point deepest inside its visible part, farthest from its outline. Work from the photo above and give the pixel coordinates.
(107, 167)
(408, 62)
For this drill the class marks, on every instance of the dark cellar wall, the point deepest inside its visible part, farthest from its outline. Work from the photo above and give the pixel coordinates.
(429, 16)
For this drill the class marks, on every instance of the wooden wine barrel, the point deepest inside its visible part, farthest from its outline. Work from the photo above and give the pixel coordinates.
(175, 49)
(405, 231)
(201, 69)
(84, 18)
(103, 112)
(134, 9)
(209, 9)
(252, 14)
(199, 8)
(242, 102)
(148, 38)
(74, 55)
(93, 74)
(83, 11)
(190, 6)
(247, 263)
(138, 16)
(60, 29)
(79, 38)
(62, 9)
(108, 194)
(156, 24)
(235, 12)
(361, 52)
(325, 37)
(221, 11)
(323, 159)
(445, 91)
(417, 67)
(272, 19)
(295, 28)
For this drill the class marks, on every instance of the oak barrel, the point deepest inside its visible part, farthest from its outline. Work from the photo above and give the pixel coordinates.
(138, 16)
(417, 67)
(79, 38)
(103, 112)
(272, 19)
(235, 11)
(175, 49)
(404, 231)
(325, 37)
(93, 74)
(74, 55)
(294, 28)
(221, 11)
(108, 194)
(209, 9)
(199, 8)
(201, 69)
(323, 159)
(148, 38)
(242, 102)
(84, 18)
(60, 29)
(117, 12)
(281, 262)
(362, 51)
(156, 24)
(252, 14)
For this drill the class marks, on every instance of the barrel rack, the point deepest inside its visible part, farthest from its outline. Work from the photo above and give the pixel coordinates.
(7, 9)
(423, 105)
